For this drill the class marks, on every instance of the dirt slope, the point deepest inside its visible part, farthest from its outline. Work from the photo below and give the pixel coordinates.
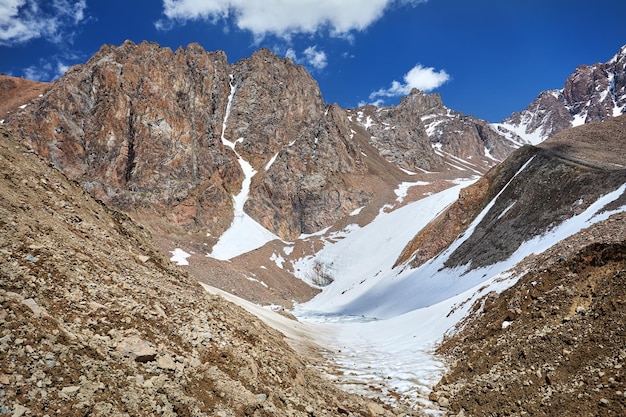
(564, 350)
(15, 92)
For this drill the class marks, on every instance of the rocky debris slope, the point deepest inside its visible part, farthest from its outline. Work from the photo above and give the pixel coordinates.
(533, 190)
(554, 343)
(591, 94)
(95, 322)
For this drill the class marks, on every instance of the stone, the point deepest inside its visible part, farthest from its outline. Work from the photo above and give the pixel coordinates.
(375, 408)
(34, 307)
(166, 362)
(137, 349)
(19, 410)
(444, 402)
(72, 389)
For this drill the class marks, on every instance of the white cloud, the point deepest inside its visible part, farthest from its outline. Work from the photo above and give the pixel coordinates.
(284, 18)
(422, 78)
(23, 20)
(315, 58)
(312, 57)
(45, 71)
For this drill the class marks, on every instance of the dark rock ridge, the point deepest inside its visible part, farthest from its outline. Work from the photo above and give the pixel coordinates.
(592, 93)
(559, 179)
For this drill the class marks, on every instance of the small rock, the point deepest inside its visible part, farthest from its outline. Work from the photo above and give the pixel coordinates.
(32, 304)
(444, 402)
(143, 258)
(166, 362)
(50, 360)
(261, 397)
(72, 389)
(31, 258)
(137, 349)
(604, 402)
(19, 410)
(4, 379)
(375, 409)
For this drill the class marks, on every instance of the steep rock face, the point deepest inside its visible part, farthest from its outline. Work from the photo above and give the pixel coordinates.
(140, 125)
(400, 136)
(592, 93)
(142, 128)
(300, 148)
(421, 134)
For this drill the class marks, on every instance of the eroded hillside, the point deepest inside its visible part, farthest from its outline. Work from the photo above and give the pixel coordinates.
(96, 322)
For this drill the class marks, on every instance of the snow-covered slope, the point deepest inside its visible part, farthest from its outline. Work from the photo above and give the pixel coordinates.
(376, 312)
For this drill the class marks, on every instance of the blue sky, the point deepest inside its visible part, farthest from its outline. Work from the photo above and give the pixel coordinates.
(487, 58)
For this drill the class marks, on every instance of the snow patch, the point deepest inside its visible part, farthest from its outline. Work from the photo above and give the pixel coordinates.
(278, 260)
(357, 211)
(179, 257)
(403, 189)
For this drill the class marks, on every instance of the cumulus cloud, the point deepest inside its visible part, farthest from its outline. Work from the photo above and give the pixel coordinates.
(311, 57)
(23, 20)
(283, 18)
(423, 78)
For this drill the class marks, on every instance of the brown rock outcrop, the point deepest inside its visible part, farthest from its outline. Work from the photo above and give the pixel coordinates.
(141, 127)
(299, 146)
(421, 134)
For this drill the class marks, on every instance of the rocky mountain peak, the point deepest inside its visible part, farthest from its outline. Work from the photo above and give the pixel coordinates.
(422, 103)
(145, 128)
(592, 93)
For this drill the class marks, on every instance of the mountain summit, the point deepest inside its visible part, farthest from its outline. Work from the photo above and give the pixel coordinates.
(591, 94)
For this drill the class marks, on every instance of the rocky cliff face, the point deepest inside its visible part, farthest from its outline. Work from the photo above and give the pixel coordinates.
(300, 148)
(142, 127)
(421, 134)
(592, 93)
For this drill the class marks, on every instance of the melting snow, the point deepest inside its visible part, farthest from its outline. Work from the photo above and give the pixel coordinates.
(179, 257)
(403, 189)
(278, 260)
(381, 324)
(357, 211)
(244, 234)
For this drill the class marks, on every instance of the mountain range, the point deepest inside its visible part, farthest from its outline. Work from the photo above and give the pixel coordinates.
(248, 179)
